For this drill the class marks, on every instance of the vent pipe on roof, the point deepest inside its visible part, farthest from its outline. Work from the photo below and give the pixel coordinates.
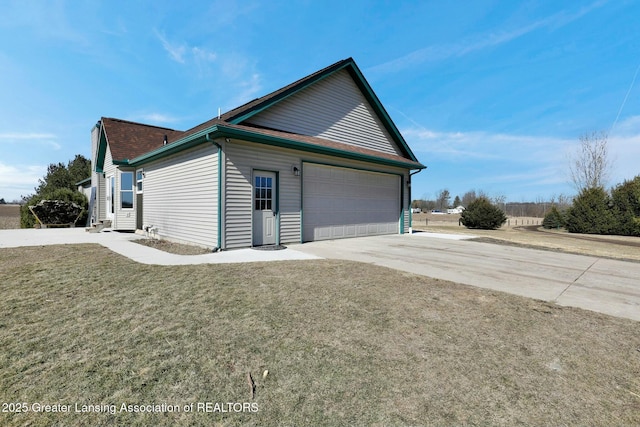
(218, 113)
(165, 140)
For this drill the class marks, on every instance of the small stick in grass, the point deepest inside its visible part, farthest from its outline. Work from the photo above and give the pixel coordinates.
(252, 385)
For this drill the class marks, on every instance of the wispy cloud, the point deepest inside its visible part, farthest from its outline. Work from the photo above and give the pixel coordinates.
(462, 146)
(154, 118)
(248, 89)
(30, 137)
(534, 161)
(481, 41)
(624, 149)
(19, 180)
(176, 51)
(183, 52)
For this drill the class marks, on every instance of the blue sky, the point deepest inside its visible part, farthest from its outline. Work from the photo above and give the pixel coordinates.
(490, 95)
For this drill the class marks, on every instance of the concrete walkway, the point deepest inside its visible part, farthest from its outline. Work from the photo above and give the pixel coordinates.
(122, 243)
(598, 284)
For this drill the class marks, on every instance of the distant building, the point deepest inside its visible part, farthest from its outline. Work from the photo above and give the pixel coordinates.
(457, 210)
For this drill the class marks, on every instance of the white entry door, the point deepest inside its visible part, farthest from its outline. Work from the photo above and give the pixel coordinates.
(111, 196)
(264, 206)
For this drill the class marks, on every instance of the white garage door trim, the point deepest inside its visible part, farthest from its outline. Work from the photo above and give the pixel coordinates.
(339, 202)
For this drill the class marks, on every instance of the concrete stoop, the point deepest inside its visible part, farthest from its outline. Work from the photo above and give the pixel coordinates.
(99, 226)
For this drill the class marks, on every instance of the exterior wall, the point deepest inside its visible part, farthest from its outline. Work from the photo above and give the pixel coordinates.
(334, 109)
(124, 218)
(108, 170)
(242, 158)
(180, 196)
(96, 178)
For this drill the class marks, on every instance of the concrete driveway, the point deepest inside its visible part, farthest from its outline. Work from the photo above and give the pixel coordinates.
(598, 284)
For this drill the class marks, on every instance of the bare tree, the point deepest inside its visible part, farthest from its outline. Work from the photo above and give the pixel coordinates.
(589, 166)
(443, 199)
(469, 197)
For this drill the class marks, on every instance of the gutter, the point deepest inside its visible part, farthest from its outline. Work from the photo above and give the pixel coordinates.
(219, 245)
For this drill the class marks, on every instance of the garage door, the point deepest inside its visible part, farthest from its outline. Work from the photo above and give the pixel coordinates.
(341, 202)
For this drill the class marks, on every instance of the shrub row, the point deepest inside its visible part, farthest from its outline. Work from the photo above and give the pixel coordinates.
(596, 212)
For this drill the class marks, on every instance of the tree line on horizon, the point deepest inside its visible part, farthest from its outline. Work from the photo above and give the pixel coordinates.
(594, 210)
(537, 208)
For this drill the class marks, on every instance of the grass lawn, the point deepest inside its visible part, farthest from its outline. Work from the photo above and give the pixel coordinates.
(344, 343)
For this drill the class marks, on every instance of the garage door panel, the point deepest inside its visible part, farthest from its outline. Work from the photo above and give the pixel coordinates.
(341, 202)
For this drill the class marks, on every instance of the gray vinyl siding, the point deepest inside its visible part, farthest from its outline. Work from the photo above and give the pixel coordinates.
(333, 108)
(180, 196)
(125, 219)
(241, 161)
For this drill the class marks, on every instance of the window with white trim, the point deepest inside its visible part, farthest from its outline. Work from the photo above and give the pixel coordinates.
(126, 190)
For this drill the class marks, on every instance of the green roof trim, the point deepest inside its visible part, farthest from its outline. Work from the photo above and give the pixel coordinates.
(84, 181)
(102, 150)
(221, 131)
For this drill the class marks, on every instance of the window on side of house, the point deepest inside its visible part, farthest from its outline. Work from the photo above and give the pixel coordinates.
(139, 178)
(126, 190)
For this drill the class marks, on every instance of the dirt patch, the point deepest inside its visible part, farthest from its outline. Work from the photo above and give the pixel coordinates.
(9, 217)
(173, 248)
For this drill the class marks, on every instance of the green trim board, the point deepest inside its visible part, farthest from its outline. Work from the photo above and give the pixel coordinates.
(84, 181)
(219, 195)
(102, 150)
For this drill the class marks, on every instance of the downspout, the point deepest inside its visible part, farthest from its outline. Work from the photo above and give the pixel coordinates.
(219, 244)
(410, 209)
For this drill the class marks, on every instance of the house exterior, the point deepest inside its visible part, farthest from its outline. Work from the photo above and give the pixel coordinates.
(317, 159)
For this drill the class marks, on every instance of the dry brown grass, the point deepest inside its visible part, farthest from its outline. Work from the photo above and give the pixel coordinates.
(345, 344)
(9, 217)
(618, 247)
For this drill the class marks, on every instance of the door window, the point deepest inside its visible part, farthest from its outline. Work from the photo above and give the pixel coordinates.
(263, 193)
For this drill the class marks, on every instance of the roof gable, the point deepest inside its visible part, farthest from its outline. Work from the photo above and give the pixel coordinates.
(262, 110)
(128, 140)
(334, 109)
